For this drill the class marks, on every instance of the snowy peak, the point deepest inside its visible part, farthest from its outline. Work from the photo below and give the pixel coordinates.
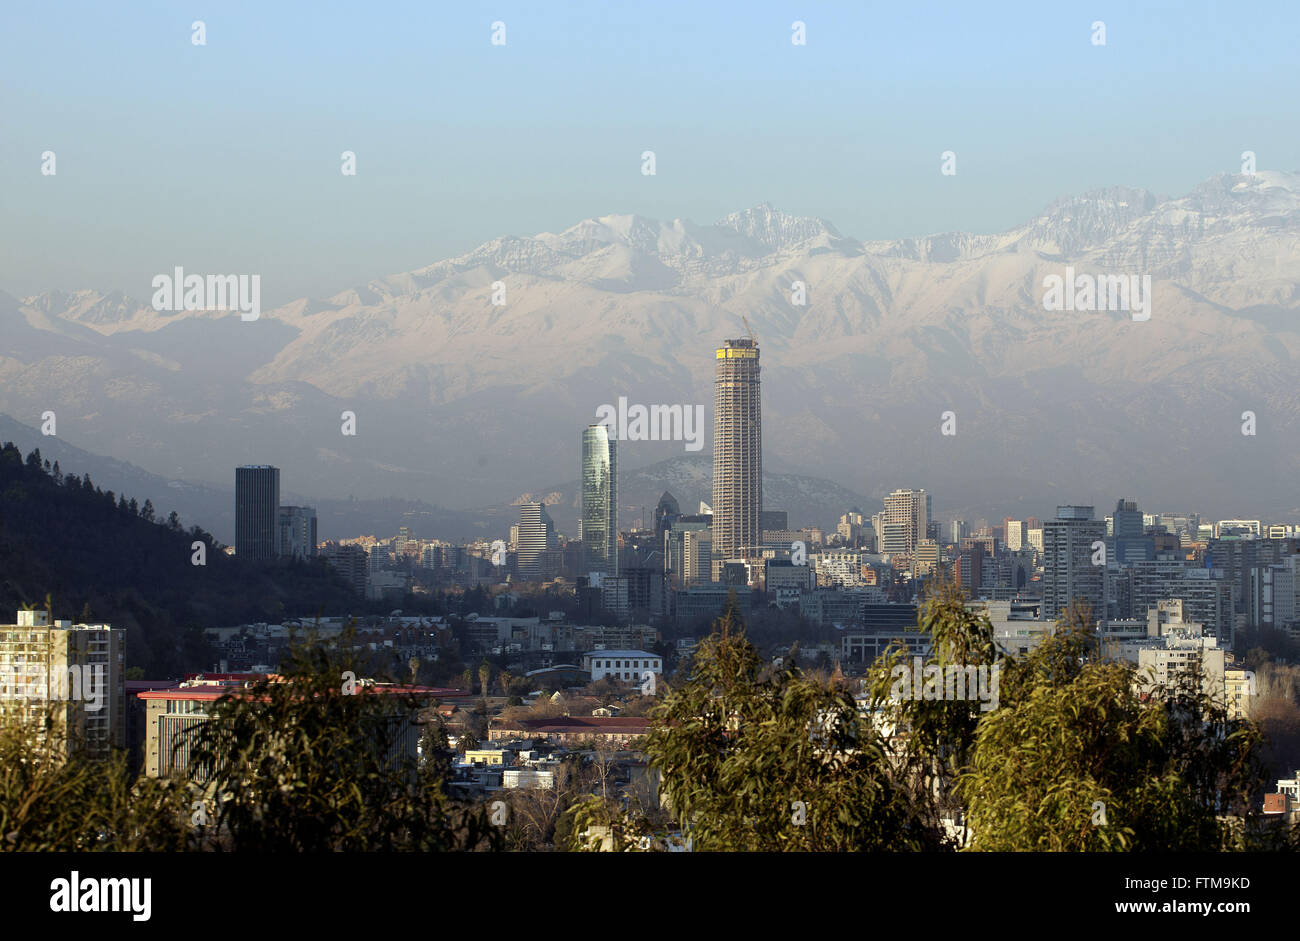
(1072, 225)
(88, 307)
(780, 231)
(625, 253)
(508, 254)
(1265, 193)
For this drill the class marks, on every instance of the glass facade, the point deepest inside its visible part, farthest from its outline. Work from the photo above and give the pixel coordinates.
(599, 501)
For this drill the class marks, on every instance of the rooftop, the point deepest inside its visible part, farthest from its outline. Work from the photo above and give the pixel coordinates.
(593, 723)
(207, 689)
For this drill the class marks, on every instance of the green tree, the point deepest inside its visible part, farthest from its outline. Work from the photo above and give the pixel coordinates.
(755, 759)
(51, 801)
(301, 765)
(934, 738)
(1084, 755)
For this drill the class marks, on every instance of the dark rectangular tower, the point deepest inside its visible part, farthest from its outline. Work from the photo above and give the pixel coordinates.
(257, 504)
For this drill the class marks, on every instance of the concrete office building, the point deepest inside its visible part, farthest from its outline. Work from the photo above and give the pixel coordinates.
(536, 536)
(257, 505)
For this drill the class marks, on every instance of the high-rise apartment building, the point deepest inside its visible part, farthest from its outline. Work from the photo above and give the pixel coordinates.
(599, 473)
(1034, 537)
(257, 504)
(851, 527)
(968, 569)
(1270, 601)
(737, 452)
(905, 522)
(675, 549)
(295, 532)
(925, 561)
(536, 536)
(1068, 570)
(74, 673)
(697, 557)
(1209, 596)
(352, 563)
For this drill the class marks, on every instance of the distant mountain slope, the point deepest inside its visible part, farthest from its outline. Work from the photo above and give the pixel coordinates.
(213, 508)
(73, 541)
(459, 399)
(209, 507)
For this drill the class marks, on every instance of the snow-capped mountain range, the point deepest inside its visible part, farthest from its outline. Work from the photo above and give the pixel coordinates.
(464, 402)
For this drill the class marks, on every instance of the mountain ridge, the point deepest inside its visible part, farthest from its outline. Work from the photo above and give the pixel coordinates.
(461, 400)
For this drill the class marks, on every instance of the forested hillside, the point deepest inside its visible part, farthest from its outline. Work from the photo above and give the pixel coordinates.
(100, 556)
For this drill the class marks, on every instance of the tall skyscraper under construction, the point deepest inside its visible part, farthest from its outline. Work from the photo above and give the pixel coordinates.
(737, 452)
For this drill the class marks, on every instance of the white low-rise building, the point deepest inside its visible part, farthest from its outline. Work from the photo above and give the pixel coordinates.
(630, 665)
(1174, 648)
(527, 778)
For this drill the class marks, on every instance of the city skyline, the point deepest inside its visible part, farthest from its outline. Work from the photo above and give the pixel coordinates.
(728, 428)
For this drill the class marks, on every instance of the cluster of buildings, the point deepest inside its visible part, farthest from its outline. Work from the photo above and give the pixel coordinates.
(1170, 593)
(864, 578)
(75, 674)
(523, 645)
(524, 754)
(265, 530)
(258, 647)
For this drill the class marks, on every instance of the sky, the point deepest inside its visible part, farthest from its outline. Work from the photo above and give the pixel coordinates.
(226, 157)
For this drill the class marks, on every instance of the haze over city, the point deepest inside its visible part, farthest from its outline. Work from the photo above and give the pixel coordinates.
(602, 428)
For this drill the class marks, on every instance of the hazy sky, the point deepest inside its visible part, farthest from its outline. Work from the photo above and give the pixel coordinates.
(226, 157)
